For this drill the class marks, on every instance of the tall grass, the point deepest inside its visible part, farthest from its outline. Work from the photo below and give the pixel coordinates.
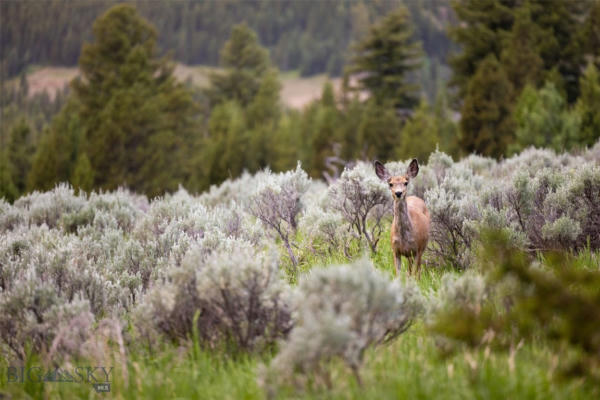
(411, 367)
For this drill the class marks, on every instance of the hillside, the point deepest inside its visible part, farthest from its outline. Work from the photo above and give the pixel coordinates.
(310, 36)
(296, 91)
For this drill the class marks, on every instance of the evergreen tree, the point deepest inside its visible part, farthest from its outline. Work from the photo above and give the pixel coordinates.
(524, 30)
(288, 144)
(243, 125)
(520, 56)
(20, 149)
(589, 36)
(83, 174)
(245, 63)
(482, 29)
(486, 124)
(262, 118)
(447, 128)
(321, 123)
(23, 86)
(385, 57)
(225, 150)
(559, 23)
(138, 121)
(351, 117)
(8, 190)
(379, 132)
(587, 107)
(311, 34)
(543, 120)
(420, 135)
(57, 150)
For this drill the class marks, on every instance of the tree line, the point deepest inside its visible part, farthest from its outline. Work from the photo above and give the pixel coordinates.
(522, 63)
(310, 36)
(127, 121)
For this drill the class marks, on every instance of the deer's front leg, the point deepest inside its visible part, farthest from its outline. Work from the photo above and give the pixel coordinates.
(419, 254)
(397, 262)
(410, 263)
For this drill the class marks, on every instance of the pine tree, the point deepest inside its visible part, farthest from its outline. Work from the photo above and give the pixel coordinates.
(589, 36)
(447, 127)
(8, 190)
(559, 23)
(57, 150)
(225, 150)
(483, 26)
(587, 107)
(517, 32)
(352, 114)
(246, 110)
(262, 117)
(543, 120)
(287, 145)
(20, 148)
(385, 57)
(521, 55)
(245, 63)
(486, 124)
(83, 174)
(139, 122)
(321, 123)
(420, 135)
(379, 132)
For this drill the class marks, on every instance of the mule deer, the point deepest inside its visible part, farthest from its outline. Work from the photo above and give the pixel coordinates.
(410, 228)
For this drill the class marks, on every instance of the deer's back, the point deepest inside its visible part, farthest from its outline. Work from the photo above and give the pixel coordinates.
(417, 204)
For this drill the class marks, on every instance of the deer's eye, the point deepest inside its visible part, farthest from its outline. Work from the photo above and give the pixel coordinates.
(406, 183)
(391, 184)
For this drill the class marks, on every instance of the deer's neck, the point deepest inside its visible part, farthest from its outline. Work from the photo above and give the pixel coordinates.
(402, 224)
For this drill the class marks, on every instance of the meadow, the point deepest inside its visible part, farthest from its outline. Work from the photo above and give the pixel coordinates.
(268, 286)
(296, 91)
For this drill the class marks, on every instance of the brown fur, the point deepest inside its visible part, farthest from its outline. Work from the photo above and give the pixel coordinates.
(410, 227)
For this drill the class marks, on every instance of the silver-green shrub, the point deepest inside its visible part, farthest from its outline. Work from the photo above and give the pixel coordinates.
(31, 314)
(459, 295)
(340, 312)
(452, 205)
(58, 250)
(593, 154)
(276, 202)
(72, 260)
(233, 294)
(555, 207)
(532, 160)
(48, 207)
(466, 291)
(10, 217)
(363, 200)
(324, 231)
(238, 190)
(124, 206)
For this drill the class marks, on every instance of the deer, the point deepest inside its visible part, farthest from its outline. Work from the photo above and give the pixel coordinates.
(410, 227)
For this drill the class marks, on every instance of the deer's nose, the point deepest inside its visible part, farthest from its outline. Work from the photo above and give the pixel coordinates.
(398, 194)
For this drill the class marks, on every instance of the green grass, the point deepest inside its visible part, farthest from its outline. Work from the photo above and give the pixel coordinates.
(409, 368)
(291, 74)
(174, 373)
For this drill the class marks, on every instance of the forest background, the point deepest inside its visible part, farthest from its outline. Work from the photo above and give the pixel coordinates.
(406, 77)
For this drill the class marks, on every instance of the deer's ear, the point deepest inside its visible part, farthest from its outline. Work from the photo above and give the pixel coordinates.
(413, 168)
(381, 171)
